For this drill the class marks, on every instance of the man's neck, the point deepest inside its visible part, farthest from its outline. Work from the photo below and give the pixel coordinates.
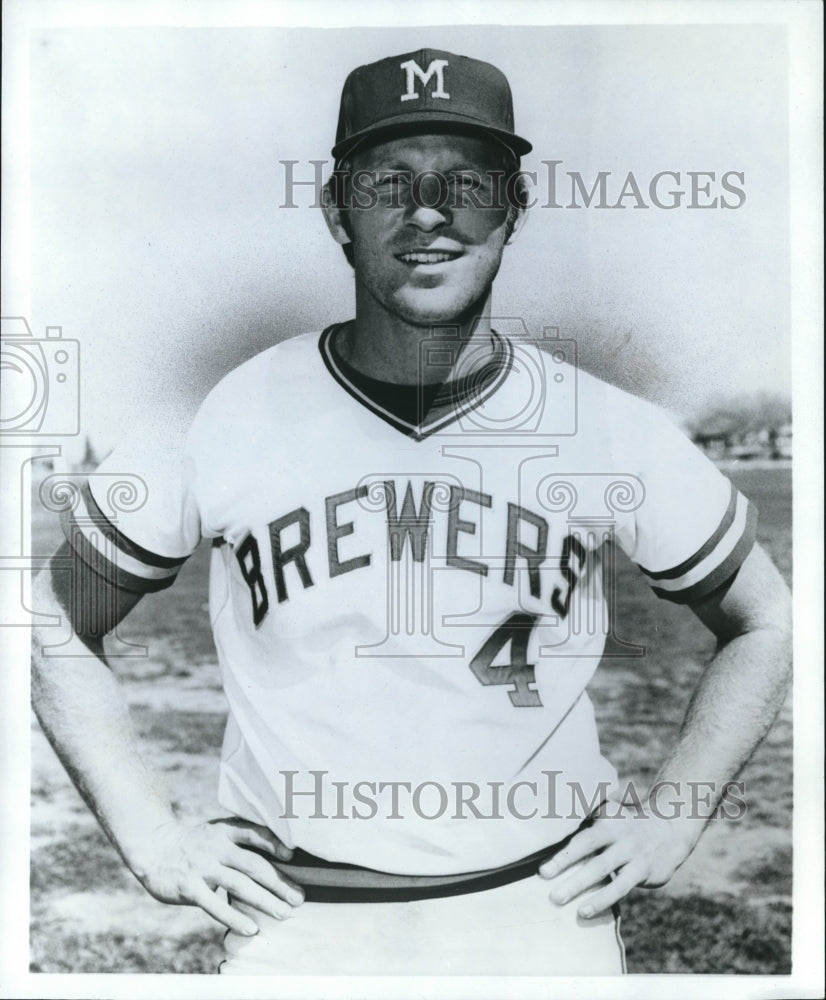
(387, 348)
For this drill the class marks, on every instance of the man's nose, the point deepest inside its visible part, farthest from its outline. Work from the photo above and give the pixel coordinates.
(429, 201)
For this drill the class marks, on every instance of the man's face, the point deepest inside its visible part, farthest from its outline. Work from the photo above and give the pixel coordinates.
(427, 264)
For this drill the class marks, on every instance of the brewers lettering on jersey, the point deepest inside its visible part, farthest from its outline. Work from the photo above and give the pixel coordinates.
(412, 515)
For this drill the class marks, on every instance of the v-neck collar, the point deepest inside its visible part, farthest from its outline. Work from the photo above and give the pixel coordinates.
(427, 427)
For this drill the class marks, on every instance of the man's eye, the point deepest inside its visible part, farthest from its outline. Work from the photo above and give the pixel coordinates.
(391, 180)
(471, 181)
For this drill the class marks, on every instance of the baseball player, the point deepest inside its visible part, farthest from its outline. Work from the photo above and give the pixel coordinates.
(410, 514)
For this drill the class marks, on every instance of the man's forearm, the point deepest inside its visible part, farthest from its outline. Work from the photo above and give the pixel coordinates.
(733, 706)
(84, 714)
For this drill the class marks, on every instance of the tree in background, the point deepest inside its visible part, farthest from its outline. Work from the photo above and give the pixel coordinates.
(761, 421)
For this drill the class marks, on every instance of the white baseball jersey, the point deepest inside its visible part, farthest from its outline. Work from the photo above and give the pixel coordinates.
(407, 616)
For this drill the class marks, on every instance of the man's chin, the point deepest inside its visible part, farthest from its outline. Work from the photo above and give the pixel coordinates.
(433, 309)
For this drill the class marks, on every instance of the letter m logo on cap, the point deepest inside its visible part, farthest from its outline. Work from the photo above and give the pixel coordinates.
(412, 70)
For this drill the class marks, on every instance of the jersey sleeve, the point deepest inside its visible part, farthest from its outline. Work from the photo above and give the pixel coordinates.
(135, 520)
(693, 528)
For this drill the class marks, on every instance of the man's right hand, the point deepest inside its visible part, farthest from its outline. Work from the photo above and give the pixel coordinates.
(193, 865)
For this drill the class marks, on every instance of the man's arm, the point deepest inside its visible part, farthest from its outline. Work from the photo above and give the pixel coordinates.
(82, 710)
(732, 708)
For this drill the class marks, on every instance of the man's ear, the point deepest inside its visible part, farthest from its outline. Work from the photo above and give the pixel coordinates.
(515, 224)
(333, 214)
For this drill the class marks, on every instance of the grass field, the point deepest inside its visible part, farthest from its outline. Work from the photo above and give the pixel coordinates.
(728, 910)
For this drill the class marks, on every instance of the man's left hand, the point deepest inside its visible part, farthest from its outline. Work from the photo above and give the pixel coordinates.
(641, 848)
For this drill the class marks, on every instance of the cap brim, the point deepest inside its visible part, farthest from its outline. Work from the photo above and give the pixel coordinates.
(418, 122)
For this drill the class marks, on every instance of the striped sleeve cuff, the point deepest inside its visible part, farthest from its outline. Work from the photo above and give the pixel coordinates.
(109, 553)
(715, 562)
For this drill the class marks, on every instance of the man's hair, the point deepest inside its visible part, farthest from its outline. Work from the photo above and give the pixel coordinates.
(517, 193)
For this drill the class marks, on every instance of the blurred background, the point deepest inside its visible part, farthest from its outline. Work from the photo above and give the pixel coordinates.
(160, 241)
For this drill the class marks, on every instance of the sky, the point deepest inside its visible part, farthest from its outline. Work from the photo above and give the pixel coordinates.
(160, 242)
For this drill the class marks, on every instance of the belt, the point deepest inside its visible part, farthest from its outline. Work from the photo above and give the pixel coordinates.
(330, 882)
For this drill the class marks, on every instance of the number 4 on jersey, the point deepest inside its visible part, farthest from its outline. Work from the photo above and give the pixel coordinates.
(516, 630)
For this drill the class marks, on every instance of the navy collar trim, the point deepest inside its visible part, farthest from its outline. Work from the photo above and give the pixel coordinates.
(427, 427)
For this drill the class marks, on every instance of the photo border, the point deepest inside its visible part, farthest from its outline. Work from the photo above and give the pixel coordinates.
(804, 21)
